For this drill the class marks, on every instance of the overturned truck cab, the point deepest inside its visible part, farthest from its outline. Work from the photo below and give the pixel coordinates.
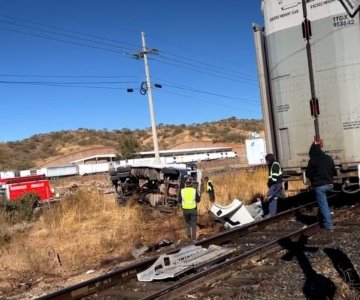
(157, 185)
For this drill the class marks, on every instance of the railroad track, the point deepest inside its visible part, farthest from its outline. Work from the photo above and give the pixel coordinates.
(230, 279)
(252, 243)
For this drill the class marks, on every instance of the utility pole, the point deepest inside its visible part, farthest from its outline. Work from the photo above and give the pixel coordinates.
(143, 54)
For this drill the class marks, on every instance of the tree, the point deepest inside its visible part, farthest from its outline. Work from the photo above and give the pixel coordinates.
(128, 146)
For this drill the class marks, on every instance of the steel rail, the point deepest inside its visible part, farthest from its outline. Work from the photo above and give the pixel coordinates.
(227, 236)
(123, 275)
(258, 253)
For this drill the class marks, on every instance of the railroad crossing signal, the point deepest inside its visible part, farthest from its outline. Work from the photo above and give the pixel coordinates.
(352, 7)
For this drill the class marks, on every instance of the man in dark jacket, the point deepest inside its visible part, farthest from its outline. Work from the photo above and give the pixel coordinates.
(320, 171)
(274, 184)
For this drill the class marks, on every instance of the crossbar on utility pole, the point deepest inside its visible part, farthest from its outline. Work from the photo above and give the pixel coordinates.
(144, 54)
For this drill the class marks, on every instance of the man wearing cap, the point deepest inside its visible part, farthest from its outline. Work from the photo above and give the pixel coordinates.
(189, 198)
(274, 184)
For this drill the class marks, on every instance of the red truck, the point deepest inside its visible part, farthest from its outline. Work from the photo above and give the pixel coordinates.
(13, 188)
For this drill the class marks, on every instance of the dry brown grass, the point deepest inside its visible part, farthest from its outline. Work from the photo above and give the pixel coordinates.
(243, 185)
(88, 227)
(4, 230)
(94, 227)
(78, 233)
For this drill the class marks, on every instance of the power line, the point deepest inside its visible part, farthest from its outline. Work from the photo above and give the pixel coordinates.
(65, 35)
(212, 69)
(111, 45)
(207, 101)
(209, 67)
(198, 71)
(191, 50)
(91, 46)
(249, 101)
(189, 88)
(88, 84)
(59, 40)
(239, 74)
(83, 82)
(69, 85)
(64, 76)
(72, 31)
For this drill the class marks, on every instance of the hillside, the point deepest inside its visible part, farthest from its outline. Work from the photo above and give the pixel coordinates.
(57, 148)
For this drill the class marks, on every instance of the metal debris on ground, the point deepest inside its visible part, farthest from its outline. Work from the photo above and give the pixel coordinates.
(236, 213)
(188, 258)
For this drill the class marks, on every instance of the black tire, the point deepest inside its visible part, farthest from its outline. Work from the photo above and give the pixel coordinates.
(114, 178)
(170, 171)
(112, 173)
(123, 169)
(123, 174)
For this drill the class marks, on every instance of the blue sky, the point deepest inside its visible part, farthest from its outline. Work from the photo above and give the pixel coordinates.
(67, 64)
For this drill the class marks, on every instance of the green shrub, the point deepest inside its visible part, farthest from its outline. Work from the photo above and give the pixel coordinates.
(20, 209)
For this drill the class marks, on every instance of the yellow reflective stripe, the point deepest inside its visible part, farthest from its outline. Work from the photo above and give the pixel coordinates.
(274, 176)
(280, 171)
(208, 188)
(188, 196)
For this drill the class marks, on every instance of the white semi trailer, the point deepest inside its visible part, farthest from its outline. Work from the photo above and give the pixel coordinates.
(308, 56)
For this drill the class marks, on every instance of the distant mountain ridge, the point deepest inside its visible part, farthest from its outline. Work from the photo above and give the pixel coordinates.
(63, 146)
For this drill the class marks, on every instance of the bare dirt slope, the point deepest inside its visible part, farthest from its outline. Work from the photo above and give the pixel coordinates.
(66, 159)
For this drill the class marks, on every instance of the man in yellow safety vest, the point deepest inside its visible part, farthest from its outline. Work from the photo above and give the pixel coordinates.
(210, 189)
(274, 184)
(189, 197)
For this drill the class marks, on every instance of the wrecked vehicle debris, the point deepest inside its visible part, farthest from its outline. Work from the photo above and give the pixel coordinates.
(236, 213)
(157, 185)
(186, 259)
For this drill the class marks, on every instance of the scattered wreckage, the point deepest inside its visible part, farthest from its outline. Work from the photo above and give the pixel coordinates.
(187, 259)
(157, 184)
(236, 213)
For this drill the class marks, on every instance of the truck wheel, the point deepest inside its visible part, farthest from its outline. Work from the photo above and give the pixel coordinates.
(114, 178)
(123, 169)
(123, 175)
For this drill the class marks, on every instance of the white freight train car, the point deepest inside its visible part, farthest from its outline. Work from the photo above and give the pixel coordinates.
(309, 73)
(24, 173)
(7, 174)
(192, 154)
(87, 169)
(83, 167)
(53, 172)
(50, 172)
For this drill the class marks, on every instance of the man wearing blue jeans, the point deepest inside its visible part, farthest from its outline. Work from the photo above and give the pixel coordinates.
(274, 184)
(320, 171)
